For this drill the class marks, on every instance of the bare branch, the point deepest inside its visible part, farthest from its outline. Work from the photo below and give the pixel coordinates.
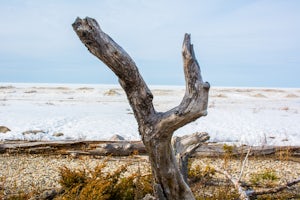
(274, 190)
(235, 182)
(244, 163)
(106, 49)
(117, 59)
(246, 194)
(195, 100)
(188, 144)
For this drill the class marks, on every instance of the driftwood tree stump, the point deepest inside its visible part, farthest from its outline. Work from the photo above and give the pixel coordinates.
(155, 128)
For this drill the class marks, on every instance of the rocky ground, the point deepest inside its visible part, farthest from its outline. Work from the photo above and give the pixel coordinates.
(25, 172)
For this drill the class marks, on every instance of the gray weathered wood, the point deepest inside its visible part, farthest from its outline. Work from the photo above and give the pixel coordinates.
(254, 193)
(156, 128)
(119, 149)
(91, 148)
(185, 146)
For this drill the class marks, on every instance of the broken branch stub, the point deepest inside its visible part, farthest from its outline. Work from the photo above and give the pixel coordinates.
(185, 146)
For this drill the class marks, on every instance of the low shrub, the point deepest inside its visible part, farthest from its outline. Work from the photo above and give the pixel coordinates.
(96, 184)
(266, 178)
(198, 173)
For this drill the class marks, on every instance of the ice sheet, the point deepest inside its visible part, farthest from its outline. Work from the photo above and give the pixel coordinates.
(252, 116)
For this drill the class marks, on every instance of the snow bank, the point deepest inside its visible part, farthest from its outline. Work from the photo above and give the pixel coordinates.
(252, 116)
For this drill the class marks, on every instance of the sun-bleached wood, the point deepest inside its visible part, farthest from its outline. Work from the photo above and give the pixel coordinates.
(184, 147)
(155, 128)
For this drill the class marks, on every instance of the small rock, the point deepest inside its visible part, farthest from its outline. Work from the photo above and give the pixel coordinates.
(149, 197)
(47, 194)
(74, 154)
(117, 137)
(4, 129)
(57, 134)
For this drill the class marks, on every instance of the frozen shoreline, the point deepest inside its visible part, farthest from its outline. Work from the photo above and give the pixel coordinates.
(252, 116)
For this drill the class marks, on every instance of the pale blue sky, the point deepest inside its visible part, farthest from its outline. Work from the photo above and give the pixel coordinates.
(237, 43)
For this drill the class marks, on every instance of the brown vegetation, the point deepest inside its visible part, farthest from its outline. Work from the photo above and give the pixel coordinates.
(97, 184)
(205, 179)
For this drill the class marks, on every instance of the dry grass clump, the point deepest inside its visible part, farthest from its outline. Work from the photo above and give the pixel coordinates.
(265, 178)
(97, 184)
(199, 174)
(284, 154)
(205, 184)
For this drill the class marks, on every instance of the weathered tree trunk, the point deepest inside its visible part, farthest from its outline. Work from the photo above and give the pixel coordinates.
(156, 128)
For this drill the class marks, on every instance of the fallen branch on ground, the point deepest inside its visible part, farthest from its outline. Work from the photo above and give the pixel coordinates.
(274, 190)
(247, 194)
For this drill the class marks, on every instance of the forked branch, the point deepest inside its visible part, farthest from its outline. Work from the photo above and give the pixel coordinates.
(194, 103)
(195, 100)
(155, 128)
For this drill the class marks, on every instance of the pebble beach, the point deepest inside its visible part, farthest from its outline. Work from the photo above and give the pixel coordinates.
(41, 172)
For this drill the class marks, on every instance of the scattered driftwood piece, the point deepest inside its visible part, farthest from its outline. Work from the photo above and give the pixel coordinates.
(235, 182)
(217, 150)
(250, 194)
(255, 193)
(90, 147)
(77, 153)
(37, 150)
(119, 149)
(29, 144)
(57, 147)
(243, 164)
